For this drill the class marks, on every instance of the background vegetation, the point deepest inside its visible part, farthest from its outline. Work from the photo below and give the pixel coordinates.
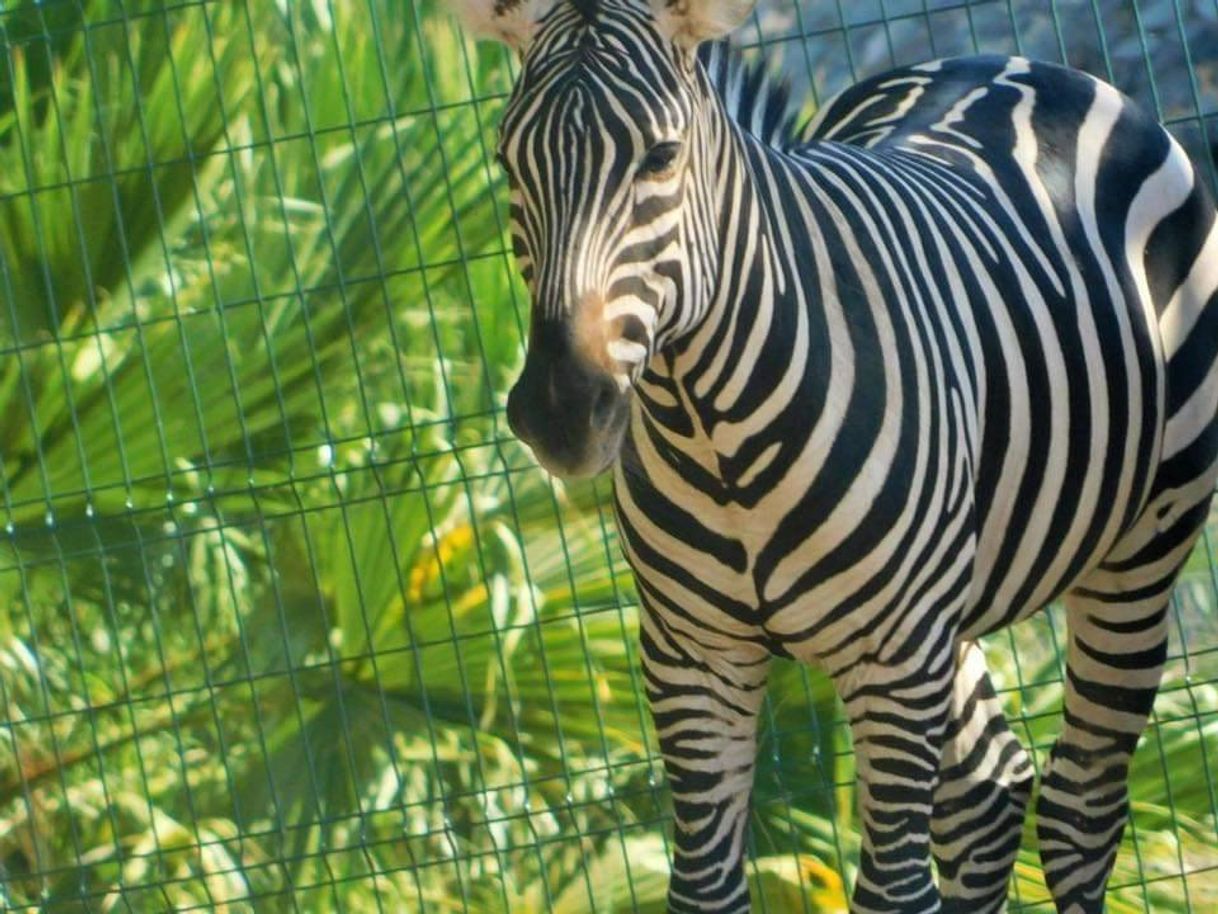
(287, 620)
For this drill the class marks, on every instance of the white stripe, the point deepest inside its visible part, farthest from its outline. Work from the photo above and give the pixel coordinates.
(1188, 302)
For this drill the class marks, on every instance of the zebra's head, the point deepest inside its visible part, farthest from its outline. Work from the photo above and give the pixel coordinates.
(599, 141)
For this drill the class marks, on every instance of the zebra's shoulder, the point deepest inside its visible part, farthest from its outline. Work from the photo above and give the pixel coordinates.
(755, 100)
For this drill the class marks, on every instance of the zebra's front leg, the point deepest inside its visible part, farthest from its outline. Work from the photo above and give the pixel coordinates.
(985, 781)
(705, 701)
(898, 716)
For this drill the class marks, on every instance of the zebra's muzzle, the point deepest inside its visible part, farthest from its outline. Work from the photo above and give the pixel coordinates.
(572, 414)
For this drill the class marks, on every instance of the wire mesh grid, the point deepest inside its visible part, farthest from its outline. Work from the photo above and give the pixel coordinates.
(290, 622)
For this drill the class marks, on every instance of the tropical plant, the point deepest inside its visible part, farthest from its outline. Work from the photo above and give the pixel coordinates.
(287, 620)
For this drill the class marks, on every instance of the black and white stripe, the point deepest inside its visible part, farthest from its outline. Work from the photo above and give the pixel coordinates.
(892, 386)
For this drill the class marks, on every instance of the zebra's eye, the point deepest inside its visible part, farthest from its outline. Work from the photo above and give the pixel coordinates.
(659, 160)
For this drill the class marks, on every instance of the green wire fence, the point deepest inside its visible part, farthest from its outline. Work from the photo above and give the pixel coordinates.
(288, 621)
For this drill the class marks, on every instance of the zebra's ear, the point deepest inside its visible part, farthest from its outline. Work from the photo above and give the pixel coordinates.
(691, 22)
(509, 21)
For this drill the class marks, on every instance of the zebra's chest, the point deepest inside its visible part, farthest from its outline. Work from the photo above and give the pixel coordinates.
(831, 537)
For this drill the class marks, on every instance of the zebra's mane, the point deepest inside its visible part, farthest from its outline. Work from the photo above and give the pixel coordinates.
(753, 99)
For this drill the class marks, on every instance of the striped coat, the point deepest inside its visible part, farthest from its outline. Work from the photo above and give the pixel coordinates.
(870, 391)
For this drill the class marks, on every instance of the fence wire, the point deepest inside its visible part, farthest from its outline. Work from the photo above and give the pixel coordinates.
(288, 621)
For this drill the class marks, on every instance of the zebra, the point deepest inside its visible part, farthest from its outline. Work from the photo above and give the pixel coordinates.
(869, 391)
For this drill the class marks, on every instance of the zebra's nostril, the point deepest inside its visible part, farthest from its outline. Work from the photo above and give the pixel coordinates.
(604, 405)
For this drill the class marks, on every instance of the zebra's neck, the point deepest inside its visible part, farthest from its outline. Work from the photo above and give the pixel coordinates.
(743, 116)
(742, 308)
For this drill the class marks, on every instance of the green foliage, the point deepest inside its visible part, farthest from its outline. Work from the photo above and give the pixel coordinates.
(289, 622)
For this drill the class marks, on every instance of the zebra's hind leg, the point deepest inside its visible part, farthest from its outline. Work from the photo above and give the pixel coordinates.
(985, 780)
(1117, 618)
